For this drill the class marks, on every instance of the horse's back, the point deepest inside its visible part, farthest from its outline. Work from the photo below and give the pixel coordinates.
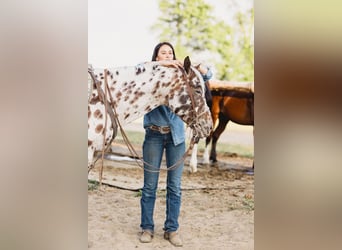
(236, 109)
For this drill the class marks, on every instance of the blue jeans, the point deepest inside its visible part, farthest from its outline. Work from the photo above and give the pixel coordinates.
(153, 148)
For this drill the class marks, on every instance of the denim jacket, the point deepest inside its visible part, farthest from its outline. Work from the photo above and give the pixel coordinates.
(163, 116)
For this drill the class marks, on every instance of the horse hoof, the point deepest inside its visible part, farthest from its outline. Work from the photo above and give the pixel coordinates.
(192, 171)
(213, 160)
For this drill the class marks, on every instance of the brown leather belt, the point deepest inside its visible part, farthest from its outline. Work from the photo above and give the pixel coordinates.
(162, 130)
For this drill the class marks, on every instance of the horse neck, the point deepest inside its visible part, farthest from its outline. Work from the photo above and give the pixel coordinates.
(135, 94)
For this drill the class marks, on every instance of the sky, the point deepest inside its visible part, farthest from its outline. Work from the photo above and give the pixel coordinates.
(119, 32)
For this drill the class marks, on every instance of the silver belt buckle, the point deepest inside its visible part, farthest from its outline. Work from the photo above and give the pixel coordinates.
(162, 130)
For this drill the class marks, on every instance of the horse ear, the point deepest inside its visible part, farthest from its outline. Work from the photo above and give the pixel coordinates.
(187, 64)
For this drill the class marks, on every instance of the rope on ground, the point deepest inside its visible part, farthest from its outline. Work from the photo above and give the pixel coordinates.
(163, 189)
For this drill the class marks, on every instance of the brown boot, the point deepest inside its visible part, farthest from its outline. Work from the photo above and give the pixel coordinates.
(174, 238)
(146, 236)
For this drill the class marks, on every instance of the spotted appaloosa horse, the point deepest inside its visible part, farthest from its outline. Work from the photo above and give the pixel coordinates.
(234, 102)
(135, 91)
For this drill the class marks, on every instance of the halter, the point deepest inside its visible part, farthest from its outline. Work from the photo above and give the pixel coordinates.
(196, 115)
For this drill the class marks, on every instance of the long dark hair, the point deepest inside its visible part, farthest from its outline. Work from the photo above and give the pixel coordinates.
(156, 50)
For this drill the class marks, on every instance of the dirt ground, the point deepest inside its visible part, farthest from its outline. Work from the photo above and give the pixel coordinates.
(217, 205)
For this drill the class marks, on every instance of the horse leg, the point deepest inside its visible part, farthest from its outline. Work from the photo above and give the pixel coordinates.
(215, 116)
(223, 120)
(206, 150)
(193, 159)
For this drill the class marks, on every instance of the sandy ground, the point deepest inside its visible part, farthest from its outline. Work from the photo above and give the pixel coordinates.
(217, 205)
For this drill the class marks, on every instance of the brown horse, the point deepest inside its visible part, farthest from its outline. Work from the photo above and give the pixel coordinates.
(226, 105)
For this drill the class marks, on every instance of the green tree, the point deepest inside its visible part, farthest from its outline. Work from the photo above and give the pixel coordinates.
(189, 24)
(242, 60)
(194, 30)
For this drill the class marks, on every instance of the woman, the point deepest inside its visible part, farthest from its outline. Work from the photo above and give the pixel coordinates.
(164, 131)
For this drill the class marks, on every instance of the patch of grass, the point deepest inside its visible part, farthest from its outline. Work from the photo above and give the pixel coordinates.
(240, 150)
(224, 148)
(160, 193)
(243, 203)
(137, 139)
(138, 194)
(248, 202)
(93, 185)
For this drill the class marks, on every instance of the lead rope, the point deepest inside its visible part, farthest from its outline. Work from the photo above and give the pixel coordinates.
(105, 127)
(103, 96)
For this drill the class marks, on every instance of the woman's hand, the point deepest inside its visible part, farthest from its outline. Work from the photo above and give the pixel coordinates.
(171, 63)
(202, 69)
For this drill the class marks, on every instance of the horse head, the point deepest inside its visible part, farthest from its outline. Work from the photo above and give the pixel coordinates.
(194, 110)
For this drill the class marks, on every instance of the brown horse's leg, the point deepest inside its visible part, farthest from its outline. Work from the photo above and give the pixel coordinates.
(223, 120)
(207, 140)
